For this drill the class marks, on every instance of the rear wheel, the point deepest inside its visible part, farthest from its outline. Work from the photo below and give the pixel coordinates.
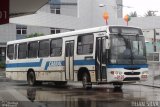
(31, 78)
(86, 81)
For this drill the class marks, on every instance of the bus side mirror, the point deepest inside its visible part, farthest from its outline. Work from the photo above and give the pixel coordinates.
(107, 44)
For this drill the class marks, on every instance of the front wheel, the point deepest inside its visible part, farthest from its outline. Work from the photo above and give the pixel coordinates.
(118, 85)
(86, 81)
(31, 78)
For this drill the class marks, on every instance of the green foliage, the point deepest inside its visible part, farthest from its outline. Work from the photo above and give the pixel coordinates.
(133, 14)
(150, 13)
(2, 65)
(34, 35)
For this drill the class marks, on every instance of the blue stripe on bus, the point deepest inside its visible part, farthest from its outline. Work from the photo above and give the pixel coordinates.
(127, 66)
(84, 62)
(76, 62)
(38, 64)
(25, 64)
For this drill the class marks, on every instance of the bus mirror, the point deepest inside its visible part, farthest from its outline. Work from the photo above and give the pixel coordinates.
(107, 44)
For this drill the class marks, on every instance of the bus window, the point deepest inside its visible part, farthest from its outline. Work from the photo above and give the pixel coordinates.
(33, 49)
(44, 48)
(15, 52)
(22, 51)
(85, 44)
(56, 47)
(10, 51)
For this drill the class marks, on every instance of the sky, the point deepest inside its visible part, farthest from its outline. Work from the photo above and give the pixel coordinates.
(141, 6)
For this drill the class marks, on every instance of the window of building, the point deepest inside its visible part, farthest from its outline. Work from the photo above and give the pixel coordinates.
(10, 51)
(22, 51)
(55, 6)
(21, 30)
(85, 44)
(33, 49)
(44, 48)
(55, 30)
(55, 10)
(56, 47)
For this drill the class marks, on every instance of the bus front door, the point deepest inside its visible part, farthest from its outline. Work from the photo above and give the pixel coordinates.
(69, 55)
(101, 59)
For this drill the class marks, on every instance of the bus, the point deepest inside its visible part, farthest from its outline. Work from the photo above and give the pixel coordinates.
(101, 55)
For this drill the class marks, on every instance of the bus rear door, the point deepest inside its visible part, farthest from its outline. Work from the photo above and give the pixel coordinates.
(69, 55)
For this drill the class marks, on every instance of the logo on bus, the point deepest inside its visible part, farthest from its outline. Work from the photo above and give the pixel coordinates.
(55, 63)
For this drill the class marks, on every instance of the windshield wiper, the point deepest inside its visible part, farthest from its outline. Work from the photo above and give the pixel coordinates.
(137, 39)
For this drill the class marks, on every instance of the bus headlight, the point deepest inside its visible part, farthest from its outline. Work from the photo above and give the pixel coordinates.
(145, 72)
(116, 73)
(112, 72)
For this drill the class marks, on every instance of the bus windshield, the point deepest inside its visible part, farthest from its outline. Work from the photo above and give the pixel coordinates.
(127, 49)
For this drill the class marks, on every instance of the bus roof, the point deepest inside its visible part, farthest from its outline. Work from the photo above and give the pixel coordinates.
(59, 35)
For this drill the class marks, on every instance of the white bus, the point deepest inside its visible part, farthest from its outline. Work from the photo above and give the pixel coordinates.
(107, 54)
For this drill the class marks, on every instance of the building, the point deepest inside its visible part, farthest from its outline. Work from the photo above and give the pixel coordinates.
(59, 16)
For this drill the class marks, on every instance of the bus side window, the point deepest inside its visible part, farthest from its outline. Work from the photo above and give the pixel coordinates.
(44, 48)
(33, 49)
(85, 44)
(56, 47)
(15, 52)
(10, 52)
(22, 51)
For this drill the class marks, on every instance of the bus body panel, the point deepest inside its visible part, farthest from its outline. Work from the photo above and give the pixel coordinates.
(55, 68)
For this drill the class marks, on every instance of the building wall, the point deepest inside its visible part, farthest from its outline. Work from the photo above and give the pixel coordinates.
(36, 29)
(68, 7)
(7, 32)
(89, 14)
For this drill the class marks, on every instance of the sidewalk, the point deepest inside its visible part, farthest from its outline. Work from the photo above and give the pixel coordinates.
(2, 73)
(3, 76)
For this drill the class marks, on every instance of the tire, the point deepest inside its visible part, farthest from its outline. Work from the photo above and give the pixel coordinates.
(31, 79)
(86, 81)
(118, 86)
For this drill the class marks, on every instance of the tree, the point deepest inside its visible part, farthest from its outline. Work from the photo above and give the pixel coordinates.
(133, 14)
(150, 13)
(34, 35)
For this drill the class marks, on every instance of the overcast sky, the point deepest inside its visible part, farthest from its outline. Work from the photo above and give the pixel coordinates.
(141, 6)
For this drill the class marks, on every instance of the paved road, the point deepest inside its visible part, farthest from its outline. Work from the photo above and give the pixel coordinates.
(73, 95)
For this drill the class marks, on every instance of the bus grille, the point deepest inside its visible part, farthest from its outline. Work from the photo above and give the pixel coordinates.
(132, 73)
(132, 79)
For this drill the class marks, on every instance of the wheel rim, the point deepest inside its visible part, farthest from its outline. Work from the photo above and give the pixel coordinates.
(31, 79)
(85, 81)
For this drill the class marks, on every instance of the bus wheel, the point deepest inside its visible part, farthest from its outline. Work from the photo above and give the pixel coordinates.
(31, 78)
(86, 81)
(118, 86)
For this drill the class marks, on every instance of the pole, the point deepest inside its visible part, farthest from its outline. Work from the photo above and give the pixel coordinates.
(106, 22)
(154, 40)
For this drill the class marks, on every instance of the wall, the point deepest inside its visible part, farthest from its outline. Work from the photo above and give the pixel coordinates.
(7, 32)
